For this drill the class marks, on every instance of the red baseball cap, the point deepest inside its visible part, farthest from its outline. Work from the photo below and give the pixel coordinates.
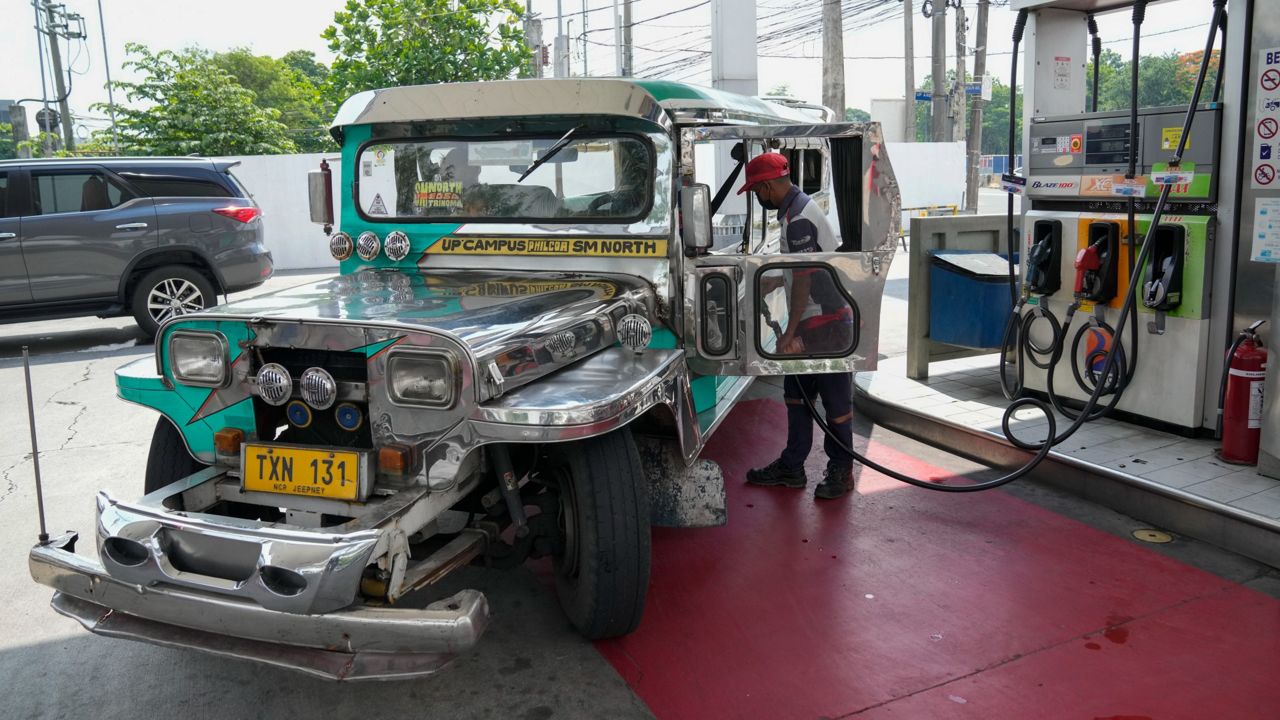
(768, 166)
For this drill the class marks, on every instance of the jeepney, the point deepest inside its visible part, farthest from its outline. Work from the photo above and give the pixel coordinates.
(549, 297)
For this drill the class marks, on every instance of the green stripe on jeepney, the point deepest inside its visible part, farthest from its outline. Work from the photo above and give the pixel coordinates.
(421, 235)
(197, 412)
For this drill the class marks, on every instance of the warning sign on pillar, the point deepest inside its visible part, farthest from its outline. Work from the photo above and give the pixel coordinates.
(1266, 128)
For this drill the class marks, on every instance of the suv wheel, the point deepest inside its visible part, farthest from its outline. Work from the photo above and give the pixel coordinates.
(167, 292)
(602, 569)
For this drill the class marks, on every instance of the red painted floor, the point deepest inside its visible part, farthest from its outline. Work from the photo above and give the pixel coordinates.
(902, 603)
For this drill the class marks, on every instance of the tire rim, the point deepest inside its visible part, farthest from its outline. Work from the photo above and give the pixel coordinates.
(568, 525)
(172, 297)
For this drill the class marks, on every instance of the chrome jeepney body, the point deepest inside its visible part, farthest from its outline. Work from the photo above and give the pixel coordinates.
(525, 318)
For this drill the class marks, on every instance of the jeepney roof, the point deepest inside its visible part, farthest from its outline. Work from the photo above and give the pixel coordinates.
(658, 101)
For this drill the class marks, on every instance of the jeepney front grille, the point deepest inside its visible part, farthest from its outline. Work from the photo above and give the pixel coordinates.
(273, 422)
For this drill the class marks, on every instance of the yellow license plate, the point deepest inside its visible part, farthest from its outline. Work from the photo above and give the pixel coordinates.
(334, 474)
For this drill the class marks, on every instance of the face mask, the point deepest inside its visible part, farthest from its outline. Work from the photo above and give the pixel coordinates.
(766, 204)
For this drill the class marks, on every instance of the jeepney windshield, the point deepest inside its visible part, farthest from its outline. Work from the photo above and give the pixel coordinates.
(603, 179)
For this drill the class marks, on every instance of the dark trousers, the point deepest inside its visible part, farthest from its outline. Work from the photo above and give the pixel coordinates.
(836, 392)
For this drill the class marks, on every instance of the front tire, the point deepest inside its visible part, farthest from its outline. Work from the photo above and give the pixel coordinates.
(602, 574)
(168, 460)
(167, 292)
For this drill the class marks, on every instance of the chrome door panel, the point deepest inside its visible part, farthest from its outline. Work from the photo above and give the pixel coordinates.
(860, 275)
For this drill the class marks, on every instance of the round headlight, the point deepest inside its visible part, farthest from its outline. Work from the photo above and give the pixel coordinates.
(340, 246)
(396, 246)
(367, 245)
(318, 388)
(635, 332)
(274, 384)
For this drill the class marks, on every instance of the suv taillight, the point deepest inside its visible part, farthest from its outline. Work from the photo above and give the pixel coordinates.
(242, 214)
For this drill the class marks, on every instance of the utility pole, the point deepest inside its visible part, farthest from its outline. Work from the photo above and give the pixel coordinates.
(111, 97)
(833, 57)
(533, 37)
(585, 47)
(908, 54)
(975, 111)
(958, 88)
(617, 40)
(939, 132)
(55, 30)
(627, 68)
(18, 120)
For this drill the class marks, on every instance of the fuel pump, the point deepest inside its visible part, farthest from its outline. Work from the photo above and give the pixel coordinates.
(1112, 364)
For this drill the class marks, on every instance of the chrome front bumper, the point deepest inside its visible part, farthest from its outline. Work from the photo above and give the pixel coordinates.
(361, 643)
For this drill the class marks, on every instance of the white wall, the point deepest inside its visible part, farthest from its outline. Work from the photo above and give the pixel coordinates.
(891, 114)
(278, 183)
(929, 173)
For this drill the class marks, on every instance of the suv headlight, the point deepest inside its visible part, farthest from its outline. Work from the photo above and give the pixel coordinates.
(421, 379)
(198, 358)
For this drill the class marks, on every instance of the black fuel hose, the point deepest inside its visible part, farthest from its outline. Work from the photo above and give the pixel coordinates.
(1109, 366)
(1097, 56)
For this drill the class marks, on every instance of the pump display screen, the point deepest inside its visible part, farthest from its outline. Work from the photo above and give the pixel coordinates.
(1106, 144)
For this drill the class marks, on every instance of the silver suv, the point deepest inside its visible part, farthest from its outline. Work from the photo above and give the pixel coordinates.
(154, 237)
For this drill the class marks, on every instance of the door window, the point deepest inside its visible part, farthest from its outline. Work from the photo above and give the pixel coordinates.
(5, 209)
(175, 186)
(74, 192)
(804, 313)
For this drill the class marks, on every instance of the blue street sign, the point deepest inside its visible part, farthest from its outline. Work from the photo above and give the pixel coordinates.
(922, 96)
(973, 88)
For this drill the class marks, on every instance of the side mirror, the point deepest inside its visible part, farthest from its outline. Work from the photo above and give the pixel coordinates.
(695, 213)
(320, 189)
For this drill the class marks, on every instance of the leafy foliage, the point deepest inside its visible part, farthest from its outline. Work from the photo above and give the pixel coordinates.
(191, 105)
(856, 115)
(7, 148)
(387, 43)
(289, 86)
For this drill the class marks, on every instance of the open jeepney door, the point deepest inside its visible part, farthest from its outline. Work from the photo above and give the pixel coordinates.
(740, 302)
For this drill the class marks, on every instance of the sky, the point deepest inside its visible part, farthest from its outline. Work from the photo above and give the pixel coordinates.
(274, 27)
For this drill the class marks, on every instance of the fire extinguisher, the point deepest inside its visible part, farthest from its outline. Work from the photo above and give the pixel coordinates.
(1240, 397)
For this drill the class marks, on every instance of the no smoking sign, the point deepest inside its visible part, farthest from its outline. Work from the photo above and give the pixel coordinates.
(1270, 79)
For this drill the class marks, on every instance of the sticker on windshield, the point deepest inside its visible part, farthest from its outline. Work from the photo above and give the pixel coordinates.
(378, 207)
(581, 247)
(437, 195)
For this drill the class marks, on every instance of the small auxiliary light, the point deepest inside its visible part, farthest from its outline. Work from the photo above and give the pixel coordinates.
(299, 414)
(349, 417)
(393, 459)
(227, 441)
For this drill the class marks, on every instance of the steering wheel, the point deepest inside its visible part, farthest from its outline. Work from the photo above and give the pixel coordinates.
(601, 201)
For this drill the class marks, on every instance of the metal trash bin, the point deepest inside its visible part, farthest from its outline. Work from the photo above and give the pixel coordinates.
(968, 298)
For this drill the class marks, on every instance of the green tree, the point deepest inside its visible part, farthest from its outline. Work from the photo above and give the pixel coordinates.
(7, 148)
(277, 85)
(305, 64)
(856, 115)
(387, 43)
(1163, 80)
(190, 105)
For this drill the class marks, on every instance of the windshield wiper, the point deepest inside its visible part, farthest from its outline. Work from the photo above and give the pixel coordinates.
(560, 145)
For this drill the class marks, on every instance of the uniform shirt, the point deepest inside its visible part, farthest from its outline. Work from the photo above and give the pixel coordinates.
(805, 229)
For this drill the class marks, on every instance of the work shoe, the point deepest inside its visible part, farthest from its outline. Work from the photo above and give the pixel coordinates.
(835, 483)
(775, 473)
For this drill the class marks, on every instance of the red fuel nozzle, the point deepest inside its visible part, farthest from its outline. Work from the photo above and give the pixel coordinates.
(1087, 260)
